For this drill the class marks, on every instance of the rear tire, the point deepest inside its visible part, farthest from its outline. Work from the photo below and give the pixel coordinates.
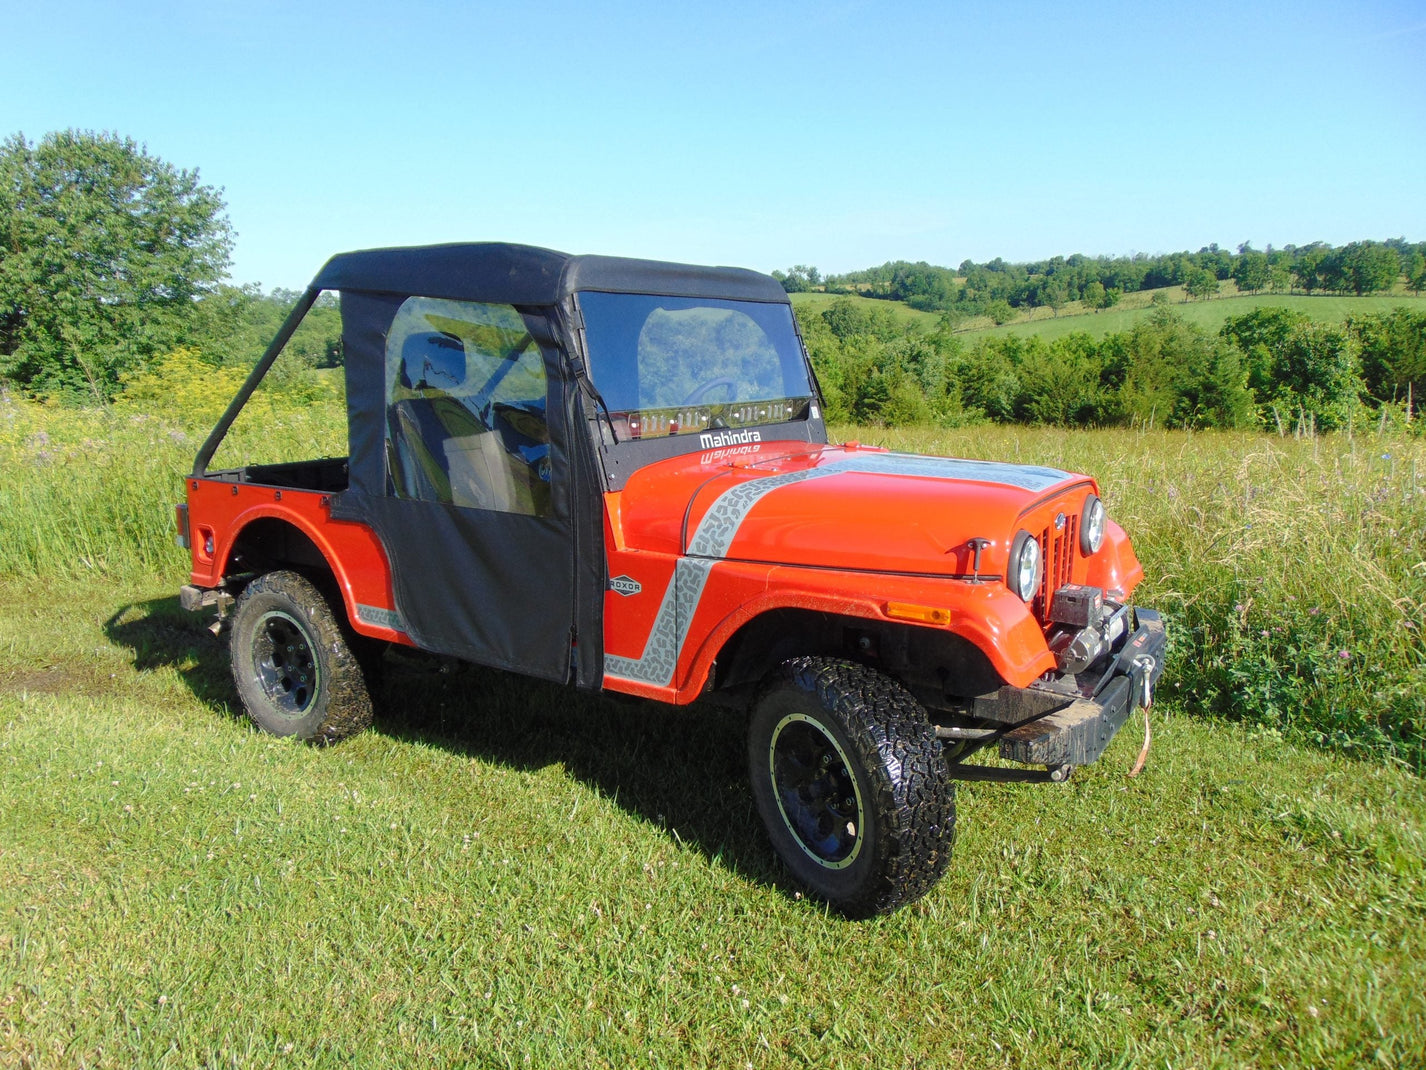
(850, 781)
(292, 662)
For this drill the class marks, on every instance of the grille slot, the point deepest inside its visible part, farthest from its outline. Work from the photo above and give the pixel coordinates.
(1057, 552)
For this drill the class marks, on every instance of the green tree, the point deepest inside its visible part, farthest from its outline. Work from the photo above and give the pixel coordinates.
(1315, 373)
(1000, 311)
(1176, 375)
(103, 250)
(1055, 294)
(1416, 273)
(1261, 336)
(1368, 267)
(1309, 266)
(1061, 382)
(1200, 282)
(989, 381)
(1393, 353)
(1252, 272)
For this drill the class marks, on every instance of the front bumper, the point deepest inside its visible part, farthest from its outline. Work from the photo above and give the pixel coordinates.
(1079, 733)
(1069, 720)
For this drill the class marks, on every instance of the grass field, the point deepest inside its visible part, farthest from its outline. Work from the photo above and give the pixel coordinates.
(503, 873)
(902, 311)
(1210, 314)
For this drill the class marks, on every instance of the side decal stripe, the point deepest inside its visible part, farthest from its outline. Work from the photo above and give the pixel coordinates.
(719, 527)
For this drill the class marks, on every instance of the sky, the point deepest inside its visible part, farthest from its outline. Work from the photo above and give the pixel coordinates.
(836, 134)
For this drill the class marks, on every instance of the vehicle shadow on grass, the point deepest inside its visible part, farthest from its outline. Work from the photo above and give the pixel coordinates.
(680, 769)
(162, 635)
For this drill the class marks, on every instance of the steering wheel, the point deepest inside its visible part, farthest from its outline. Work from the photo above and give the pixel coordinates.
(711, 384)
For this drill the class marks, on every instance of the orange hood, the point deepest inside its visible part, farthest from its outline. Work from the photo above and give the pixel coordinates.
(838, 507)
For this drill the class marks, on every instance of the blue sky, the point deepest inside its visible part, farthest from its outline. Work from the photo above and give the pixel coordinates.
(837, 134)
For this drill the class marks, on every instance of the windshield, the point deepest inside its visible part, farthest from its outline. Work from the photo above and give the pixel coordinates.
(673, 365)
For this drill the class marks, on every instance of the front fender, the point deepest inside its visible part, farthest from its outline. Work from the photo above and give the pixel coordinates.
(985, 614)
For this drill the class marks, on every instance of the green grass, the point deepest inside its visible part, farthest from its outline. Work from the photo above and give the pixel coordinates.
(503, 873)
(1210, 314)
(902, 311)
(1291, 569)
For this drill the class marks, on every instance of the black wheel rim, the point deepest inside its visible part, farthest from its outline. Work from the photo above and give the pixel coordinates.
(285, 664)
(817, 794)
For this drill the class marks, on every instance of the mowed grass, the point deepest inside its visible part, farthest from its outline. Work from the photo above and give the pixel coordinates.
(1209, 314)
(903, 312)
(503, 873)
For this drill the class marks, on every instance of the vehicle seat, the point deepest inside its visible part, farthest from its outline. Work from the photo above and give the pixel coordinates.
(440, 450)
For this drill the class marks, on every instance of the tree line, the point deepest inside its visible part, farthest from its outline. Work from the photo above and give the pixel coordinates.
(999, 289)
(1270, 368)
(112, 260)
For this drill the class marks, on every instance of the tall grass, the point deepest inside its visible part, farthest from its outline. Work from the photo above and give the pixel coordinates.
(90, 492)
(1293, 571)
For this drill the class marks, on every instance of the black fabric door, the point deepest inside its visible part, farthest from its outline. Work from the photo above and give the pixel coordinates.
(461, 415)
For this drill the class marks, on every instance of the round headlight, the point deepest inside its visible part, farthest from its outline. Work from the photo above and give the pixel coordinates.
(1091, 526)
(1024, 575)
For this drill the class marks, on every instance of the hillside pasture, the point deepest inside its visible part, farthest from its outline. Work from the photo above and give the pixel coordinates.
(1208, 314)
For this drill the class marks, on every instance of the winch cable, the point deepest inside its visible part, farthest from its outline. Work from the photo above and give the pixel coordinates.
(1144, 750)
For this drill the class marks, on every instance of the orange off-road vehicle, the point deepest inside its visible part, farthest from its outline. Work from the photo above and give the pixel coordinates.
(615, 474)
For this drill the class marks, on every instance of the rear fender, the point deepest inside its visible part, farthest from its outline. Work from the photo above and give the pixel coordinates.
(350, 551)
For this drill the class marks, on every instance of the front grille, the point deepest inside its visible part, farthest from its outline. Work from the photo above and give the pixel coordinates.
(1057, 548)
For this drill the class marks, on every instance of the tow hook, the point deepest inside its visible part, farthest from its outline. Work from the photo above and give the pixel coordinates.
(1145, 664)
(193, 599)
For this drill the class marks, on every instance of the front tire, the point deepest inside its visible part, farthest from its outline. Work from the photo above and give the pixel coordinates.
(294, 669)
(851, 783)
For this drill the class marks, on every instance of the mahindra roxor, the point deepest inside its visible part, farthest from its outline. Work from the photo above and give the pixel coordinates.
(616, 474)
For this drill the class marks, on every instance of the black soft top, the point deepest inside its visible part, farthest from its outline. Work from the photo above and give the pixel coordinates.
(526, 275)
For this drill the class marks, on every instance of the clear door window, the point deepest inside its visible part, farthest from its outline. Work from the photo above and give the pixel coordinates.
(465, 407)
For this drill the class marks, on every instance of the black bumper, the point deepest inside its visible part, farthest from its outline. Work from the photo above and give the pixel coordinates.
(1078, 733)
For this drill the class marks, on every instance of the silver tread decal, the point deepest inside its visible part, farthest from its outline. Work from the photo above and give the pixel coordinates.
(382, 618)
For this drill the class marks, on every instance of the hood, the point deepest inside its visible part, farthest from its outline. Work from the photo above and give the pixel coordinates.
(842, 507)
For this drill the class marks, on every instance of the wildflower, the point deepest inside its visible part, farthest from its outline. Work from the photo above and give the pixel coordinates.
(1344, 654)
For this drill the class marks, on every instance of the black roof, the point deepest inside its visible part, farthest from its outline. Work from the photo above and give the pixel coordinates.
(526, 275)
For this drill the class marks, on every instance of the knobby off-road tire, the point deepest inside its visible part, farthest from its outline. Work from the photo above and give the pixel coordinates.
(851, 782)
(292, 663)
